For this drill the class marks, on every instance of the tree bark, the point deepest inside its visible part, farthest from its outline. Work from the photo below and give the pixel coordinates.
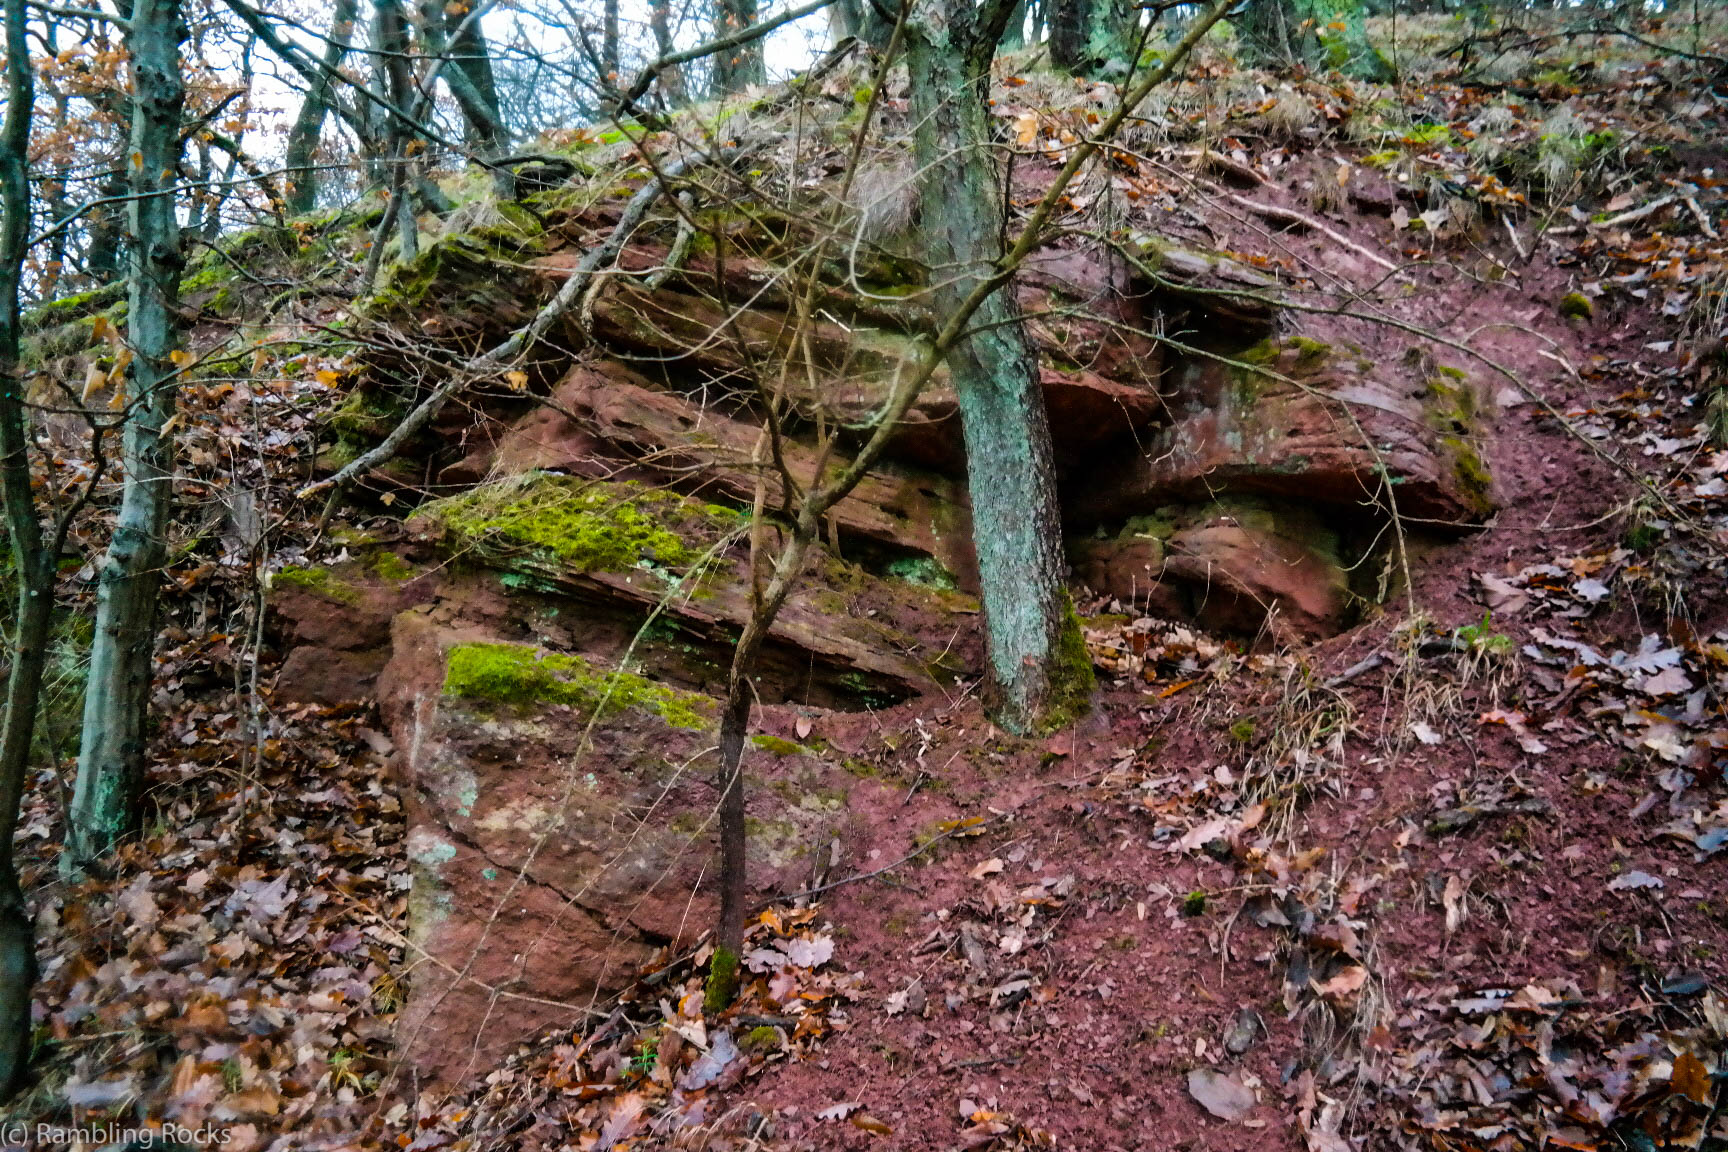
(609, 43)
(1092, 36)
(738, 67)
(861, 18)
(35, 569)
(111, 757)
(308, 126)
(1016, 524)
(391, 74)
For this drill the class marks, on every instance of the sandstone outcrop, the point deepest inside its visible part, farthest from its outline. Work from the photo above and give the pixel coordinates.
(549, 662)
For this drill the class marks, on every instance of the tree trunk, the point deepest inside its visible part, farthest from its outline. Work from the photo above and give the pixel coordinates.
(35, 569)
(390, 66)
(1016, 524)
(671, 78)
(609, 43)
(735, 69)
(117, 696)
(1092, 36)
(860, 18)
(1014, 38)
(308, 126)
(1277, 33)
(102, 253)
(467, 74)
(473, 56)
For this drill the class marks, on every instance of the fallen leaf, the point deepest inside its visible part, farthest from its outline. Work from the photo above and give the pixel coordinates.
(1343, 985)
(988, 868)
(1634, 879)
(1691, 1079)
(1221, 1094)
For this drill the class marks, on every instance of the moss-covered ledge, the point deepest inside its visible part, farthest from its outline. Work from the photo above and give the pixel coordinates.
(522, 678)
(585, 525)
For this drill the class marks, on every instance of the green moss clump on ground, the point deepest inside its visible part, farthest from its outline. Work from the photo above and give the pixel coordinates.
(1071, 677)
(1310, 353)
(1453, 412)
(1577, 306)
(318, 581)
(367, 416)
(761, 1039)
(521, 676)
(390, 566)
(776, 746)
(587, 526)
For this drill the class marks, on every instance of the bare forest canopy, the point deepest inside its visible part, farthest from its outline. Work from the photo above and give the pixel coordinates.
(987, 574)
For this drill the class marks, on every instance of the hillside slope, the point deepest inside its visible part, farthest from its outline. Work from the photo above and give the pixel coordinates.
(1390, 445)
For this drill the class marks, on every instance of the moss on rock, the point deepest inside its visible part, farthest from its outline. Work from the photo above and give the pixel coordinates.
(319, 582)
(775, 746)
(520, 676)
(70, 308)
(587, 526)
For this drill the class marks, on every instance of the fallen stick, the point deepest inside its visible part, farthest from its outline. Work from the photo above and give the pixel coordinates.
(1227, 165)
(1637, 214)
(1703, 218)
(1296, 219)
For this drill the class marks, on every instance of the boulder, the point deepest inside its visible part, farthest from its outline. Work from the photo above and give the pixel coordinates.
(1303, 422)
(1238, 566)
(624, 554)
(334, 623)
(553, 708)
(559, 830)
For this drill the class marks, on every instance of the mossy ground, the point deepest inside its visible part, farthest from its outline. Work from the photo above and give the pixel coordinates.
(522, 677)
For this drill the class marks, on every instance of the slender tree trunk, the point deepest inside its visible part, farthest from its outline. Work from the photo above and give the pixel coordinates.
(1277, 33)
(35, 568)
(102, 252)
(116, 704)
(390, 65)
(672, 78)
(308, 126)
(609, 42)
(466, 75)
(737, 68)
(1016, 523)
(474, 58)
(1015, 37)
(861, 19)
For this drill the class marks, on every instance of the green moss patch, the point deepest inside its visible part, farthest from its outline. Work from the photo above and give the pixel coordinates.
(520, 676)
(319, 582)
(587, 526)
(69, 308)
(1071, 677)
(775, 746)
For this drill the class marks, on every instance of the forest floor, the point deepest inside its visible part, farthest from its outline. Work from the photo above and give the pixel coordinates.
(1450, 880)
